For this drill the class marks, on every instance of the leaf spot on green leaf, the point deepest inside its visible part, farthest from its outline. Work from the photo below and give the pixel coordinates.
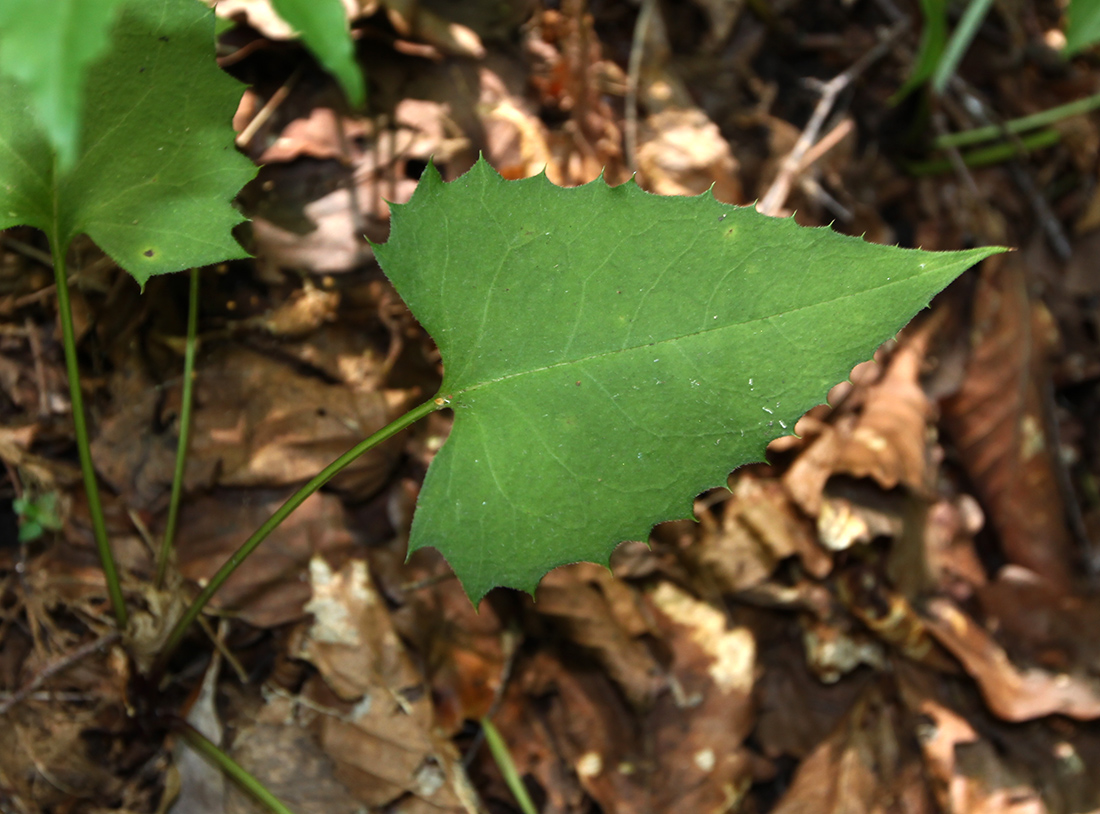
(149, 253)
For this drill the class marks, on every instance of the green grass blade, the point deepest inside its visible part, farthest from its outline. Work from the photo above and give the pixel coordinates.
(960, 41)
(1082, 25)
(1020, 125)
(507, 766)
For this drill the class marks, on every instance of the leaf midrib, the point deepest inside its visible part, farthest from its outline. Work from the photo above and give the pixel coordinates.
(662, 342)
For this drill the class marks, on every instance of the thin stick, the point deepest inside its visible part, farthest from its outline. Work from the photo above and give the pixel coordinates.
(91, 486)
(27, 250)
(277, 98)
(187, 398)
(634, 70)
(292, 503)
(777, 193)
(50, 670)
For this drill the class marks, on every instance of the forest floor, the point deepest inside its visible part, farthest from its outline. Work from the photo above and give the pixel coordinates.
(899, 612)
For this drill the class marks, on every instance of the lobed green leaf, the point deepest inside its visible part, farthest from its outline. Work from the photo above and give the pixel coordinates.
(157, 167)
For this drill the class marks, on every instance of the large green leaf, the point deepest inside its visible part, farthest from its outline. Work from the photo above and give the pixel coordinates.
(323, 25)
(610, 354)
(157, 168)
(47, 45)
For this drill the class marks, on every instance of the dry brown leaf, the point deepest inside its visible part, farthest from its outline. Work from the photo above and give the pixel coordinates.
(381, 736)
(465, 651)
(868, 764)
(258, 422)
(998, 420)
(286, 759)
(607, 617)
(683, 153)
(268, 588)
(682, 752)
(795, 709)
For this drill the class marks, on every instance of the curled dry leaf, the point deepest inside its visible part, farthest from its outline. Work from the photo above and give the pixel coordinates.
(886, 440)
(967, 773)
(1012, 693)
(682, 751)
(758, 528)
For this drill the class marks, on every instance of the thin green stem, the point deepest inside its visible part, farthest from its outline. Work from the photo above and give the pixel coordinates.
(994, 154)
(91, 486)
(292, 503)
(503, 758)
(185, 429)
(1041, 119)
(208, 749)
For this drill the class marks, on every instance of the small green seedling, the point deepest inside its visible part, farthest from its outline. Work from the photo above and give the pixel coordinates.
(37, 515)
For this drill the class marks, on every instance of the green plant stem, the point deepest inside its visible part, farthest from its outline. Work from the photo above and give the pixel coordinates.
(503, 758)
(207, 748)
(1041, 119)
(292, 503)
(994, 154)
(959, 42)
(187, 398)
(76, 398)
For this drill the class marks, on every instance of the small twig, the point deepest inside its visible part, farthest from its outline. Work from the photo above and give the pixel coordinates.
(39, 368)
(824, 145)
(1047, 219)
(1056, 235)
(777, 193)
(27, 250)
(633, 74)
(260, 119)
(50, 670)
(956, 159)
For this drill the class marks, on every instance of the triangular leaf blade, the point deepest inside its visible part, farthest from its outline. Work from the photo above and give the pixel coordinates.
(609, 354)
(157, 169)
